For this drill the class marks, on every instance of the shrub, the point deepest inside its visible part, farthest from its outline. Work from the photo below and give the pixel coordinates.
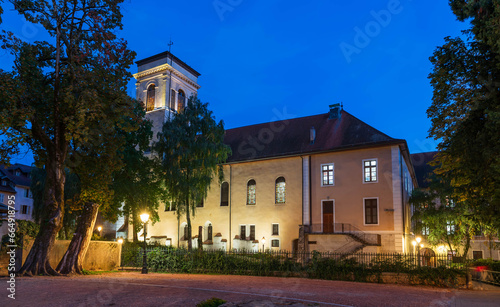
(213, 302)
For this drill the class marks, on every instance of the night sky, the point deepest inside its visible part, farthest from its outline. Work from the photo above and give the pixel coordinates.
(266, 60)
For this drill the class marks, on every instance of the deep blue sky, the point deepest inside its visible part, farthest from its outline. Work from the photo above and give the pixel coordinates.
(260, 59)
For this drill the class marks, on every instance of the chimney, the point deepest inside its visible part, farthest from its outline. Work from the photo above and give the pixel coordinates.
(312, 135)
(335, 111)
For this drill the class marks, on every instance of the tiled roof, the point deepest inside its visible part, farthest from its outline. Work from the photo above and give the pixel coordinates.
(10, 172)
(422, 168)
(293, 137)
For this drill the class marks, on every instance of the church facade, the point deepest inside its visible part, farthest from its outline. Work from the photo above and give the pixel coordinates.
(327, 182)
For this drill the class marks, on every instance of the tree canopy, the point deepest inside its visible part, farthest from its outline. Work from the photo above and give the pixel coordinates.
(465, 110)
(63, 98)
(191, 149)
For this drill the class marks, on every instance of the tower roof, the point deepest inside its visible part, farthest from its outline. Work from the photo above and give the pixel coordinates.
(168, 55)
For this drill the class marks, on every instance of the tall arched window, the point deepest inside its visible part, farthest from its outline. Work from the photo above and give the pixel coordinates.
(172, 100)
(181, 101)
(224, 194)
(251, 192)
(280, 190)
(150, 102)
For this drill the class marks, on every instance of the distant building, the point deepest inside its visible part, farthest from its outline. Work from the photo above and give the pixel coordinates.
(481, 245)
(15, 181)
(327, 182)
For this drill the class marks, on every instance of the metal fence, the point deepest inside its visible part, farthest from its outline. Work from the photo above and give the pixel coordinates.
(240, 260)
(486, 276)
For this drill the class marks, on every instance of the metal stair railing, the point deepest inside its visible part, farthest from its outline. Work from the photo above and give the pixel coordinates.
(344, 228)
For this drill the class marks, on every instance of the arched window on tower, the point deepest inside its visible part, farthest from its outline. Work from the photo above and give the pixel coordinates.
(150, 102)
(181, 101)
(280, 190)
(172, 100)
(251, 192)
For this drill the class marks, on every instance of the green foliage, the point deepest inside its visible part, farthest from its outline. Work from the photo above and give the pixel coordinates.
(191, 149)
(321, 266)
(492, 265)
(465, 110)
(25, 231)
(213, 302)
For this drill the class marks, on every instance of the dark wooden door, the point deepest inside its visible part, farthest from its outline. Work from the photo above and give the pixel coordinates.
(328, 216)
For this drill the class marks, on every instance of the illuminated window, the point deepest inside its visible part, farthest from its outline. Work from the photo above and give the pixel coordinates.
(371, 211)
(450, 203)
(370, 170)
(181, 101)
(251, 192)
(450, 227)
(224, 194)
(150, 102)
(280, 190)
(327, 174)
(425, 230)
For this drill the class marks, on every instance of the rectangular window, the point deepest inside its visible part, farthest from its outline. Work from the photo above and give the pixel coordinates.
(276, 229)
(327, 174)
(243, 232)
(224, 194)
(27, 193)
(200, 204)
(4, 183)
(170, 206)
(1, 198)
(371, 211)
(477, 254)
(450, 227)
(25, 209)
(450, 203)
(370, 170)
(425, 230)
(275, 243)
(252, 232)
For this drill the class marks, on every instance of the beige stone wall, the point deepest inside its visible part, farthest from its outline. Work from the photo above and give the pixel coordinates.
(227, 220)
(349, 189)
(101, 255)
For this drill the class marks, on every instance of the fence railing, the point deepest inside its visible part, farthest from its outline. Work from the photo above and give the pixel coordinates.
(344, 228)
(242, 260)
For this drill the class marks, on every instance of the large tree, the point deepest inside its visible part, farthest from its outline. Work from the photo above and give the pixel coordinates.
(191, 149)
(58, 87)
(465, 110)
(138, 186)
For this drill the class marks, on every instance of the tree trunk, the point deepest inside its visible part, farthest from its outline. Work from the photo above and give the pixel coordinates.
(188, 218)
(72, 261)
(37, 262)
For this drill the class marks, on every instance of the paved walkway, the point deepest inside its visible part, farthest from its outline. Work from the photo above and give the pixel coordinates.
(135, 289)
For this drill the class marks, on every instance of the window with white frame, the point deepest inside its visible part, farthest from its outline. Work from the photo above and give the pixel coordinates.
(275, 243)
(450, 227)
(27, 193)
(276, 230)
(327, 174)
(371, 211)
(370, 170)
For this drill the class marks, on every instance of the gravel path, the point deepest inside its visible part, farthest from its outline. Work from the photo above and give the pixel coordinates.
(135, 289)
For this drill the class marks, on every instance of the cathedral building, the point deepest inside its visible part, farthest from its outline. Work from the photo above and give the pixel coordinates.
(326, 182)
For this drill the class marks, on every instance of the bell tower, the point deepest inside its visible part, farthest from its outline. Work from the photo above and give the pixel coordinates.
(164, 84)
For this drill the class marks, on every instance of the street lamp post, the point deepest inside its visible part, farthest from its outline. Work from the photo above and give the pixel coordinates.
(144, 219)
(263, 242)
(418, 239)
(99, 228)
